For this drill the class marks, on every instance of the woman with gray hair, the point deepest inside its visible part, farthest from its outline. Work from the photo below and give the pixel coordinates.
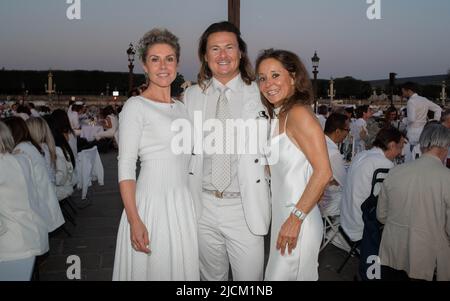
(157, 237)
(414, 205)
(23, 233)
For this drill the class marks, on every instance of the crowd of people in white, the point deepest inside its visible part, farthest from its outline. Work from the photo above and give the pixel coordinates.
(39, 171)
(209, 212)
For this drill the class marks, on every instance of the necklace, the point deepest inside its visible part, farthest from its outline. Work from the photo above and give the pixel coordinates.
(276, 111)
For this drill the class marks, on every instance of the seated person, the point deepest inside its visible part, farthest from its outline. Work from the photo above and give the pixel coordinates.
(387, 146)
(23, 233)
(337, 128)
(110, 124)
(414, 206)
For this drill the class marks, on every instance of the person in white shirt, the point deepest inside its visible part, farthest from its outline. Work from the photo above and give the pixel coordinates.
(417, 111)
(322, 113)
(387, 146)
(33, 111)
(110, 124)
(336, 130)
(233, 213)
(48, 206)
(74, 118)
(359, 128)
(41, 133)
(23, 233)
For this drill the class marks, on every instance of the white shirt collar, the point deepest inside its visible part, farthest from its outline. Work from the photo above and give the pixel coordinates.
(330, 142)
(234, 85)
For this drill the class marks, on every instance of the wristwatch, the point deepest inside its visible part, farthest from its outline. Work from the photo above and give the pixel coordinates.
(299, 214)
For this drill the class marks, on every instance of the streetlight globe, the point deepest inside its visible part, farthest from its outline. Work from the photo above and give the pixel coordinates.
(315, 60)
(131, 52)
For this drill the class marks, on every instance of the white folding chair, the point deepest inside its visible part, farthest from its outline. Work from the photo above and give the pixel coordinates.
(330, 229)
(90, 169)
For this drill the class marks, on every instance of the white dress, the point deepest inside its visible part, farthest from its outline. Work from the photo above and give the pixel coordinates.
(289, 177)
(163, 199)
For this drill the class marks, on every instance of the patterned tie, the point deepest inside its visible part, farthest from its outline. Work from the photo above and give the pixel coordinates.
(221, 163)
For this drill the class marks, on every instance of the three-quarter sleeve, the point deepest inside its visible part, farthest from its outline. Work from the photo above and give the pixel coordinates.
(130, 132)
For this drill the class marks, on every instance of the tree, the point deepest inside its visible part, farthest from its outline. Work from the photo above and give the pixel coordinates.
(348, 87)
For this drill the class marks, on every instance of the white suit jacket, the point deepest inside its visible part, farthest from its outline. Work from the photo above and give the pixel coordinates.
(254, 186)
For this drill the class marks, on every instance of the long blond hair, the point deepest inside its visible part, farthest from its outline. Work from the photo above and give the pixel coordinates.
(41, 133)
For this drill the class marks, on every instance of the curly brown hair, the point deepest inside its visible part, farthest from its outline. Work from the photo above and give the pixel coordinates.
(303, 93)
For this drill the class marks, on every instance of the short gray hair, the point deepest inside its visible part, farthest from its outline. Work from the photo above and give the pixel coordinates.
(6, 139)
(157, 36)
(434, 135)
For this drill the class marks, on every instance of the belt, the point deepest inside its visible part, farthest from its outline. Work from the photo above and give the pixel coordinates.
(223, 194)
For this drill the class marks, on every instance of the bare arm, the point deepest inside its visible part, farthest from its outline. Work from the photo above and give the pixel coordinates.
(108, 123)
(306, 132)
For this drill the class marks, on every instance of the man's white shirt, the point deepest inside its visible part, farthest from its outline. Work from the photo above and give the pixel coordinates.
(417, 111)
(357, 189)
(331, 199)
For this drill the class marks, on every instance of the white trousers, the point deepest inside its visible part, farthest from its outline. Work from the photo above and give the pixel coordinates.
(224, 239)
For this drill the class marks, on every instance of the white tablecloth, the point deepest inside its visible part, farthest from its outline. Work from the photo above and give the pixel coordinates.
(89, 131)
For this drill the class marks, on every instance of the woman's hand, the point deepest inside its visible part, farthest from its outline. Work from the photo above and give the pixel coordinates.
(289, 234)
(139, 237)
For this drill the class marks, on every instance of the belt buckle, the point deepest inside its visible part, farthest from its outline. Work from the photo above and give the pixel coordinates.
(218, 194)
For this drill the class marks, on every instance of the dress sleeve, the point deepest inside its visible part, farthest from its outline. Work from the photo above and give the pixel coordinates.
(131, 123)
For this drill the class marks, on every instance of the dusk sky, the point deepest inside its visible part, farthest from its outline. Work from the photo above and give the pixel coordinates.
(411, 39)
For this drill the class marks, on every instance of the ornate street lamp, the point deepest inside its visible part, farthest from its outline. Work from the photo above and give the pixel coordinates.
(315, 63)
(130, 52)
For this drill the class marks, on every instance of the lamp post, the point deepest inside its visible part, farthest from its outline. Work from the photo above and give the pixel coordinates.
(315, 63)
(130, 52)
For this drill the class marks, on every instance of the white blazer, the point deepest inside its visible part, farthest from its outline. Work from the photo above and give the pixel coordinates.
(23, 233)
(253, 183)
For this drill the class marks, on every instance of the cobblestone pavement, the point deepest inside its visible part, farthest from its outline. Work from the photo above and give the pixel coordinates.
(93, 238)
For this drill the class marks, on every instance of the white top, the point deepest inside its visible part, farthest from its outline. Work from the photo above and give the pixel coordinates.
(355, 130)
(23, 233)
(114, 123)
(417, 109)
(64, 175)
(331, 199)
(322, 120)
(50, 169)
(234, 94)
(140, 120)
(357, 189)
(74, 119)
(34, 113)
(48, 203)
